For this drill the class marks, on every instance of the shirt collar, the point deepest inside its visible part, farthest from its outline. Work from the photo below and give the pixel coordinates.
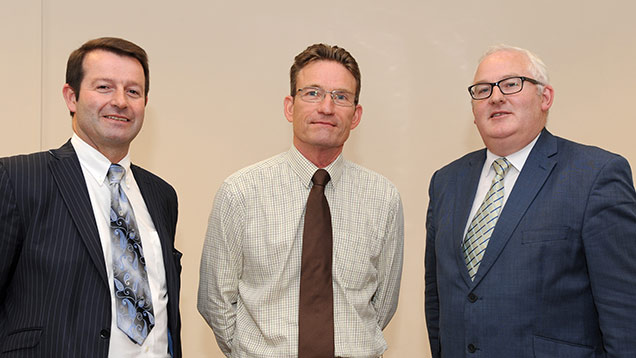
(517, 159)
(95, 163)
(306, 169)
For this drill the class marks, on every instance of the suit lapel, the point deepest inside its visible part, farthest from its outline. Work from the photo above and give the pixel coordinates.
(535, 172)
(152, 198)
(67, 173)
(160, 213)
(463, 203)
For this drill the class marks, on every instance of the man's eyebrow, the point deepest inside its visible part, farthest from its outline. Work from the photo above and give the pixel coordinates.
(502, 78)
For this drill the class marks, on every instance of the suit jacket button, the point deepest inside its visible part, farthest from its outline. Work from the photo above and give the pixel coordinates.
(472, 297)
(104, 334)
(472, 348)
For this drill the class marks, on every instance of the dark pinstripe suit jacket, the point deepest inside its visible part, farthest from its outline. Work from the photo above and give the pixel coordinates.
(54, 292)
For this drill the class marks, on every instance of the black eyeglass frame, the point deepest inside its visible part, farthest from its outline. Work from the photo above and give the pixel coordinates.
(493, 84)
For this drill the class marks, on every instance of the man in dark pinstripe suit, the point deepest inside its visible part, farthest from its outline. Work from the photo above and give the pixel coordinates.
(56, 275)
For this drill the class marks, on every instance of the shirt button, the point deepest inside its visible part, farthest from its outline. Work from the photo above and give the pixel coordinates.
(472, 348)
(472, 297)
(104, 334)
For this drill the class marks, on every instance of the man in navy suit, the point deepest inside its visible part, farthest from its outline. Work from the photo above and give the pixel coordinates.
(57, 255)
(548, 269)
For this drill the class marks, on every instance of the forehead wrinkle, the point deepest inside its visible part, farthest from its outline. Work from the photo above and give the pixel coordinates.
(328, 73)
(512, 74)
(112, 67)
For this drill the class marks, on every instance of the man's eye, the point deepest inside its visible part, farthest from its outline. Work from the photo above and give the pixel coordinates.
(345, 97)
(482, 89)
(511, 84)
(312, 93)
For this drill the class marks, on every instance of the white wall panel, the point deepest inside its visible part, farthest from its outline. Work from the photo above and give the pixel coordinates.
(417, 58)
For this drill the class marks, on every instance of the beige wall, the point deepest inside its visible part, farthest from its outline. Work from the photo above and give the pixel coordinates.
(417, 58)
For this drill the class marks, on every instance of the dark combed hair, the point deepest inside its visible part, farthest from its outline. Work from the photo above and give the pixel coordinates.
(75, 69)
(322, 52)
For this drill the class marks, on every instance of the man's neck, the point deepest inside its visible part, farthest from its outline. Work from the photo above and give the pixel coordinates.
(319, 157)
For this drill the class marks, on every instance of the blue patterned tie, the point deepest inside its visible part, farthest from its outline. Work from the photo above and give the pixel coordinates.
(483, 223)
(135, 315)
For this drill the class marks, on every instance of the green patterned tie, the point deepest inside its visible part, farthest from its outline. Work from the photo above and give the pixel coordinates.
(483, 223)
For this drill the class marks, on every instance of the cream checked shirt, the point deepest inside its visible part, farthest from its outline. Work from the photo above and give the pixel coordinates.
(250, 267)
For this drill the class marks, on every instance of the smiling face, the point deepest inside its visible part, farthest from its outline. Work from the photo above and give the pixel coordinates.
(321, 129)
(507, 123)
(109, 112)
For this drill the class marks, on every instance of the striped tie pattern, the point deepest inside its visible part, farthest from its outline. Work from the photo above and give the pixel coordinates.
(483, 223)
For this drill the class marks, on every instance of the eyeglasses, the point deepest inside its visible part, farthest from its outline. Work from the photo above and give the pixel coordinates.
(317, 94)
(510, 85)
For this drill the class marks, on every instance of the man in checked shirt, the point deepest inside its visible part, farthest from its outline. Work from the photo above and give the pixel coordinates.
(251, 264)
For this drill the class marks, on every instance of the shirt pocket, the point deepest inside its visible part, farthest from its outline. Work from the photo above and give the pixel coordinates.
(356, 261)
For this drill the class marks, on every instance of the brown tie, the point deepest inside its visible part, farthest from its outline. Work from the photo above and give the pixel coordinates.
(315, 309)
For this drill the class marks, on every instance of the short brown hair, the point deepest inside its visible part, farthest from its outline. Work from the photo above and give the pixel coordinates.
(75, 69)
(322, 52)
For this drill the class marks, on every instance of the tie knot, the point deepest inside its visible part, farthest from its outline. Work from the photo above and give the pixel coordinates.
(115, 173)
(501, 166)
(321, 177)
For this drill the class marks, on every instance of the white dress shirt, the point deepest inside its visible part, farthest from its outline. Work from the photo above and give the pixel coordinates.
(517, 160)
(95, 167)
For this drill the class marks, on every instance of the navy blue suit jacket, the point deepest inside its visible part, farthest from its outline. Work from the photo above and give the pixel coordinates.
(54, 292)
(558, 278)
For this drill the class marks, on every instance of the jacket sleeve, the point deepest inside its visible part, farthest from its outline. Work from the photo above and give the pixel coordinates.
(10, 232)
(609, 238)
(431, 300)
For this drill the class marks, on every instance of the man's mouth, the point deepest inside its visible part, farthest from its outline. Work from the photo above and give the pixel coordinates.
(324, 123)
(117, 118)
(499, 114)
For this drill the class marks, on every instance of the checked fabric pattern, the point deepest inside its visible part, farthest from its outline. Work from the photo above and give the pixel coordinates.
(483, 223)
(135, 315)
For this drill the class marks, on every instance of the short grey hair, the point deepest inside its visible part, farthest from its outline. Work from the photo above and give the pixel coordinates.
(538, 69)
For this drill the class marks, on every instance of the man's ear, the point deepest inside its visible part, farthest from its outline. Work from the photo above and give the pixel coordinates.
(547, 97)
(288, 108)
(69, 97)
(357, 116)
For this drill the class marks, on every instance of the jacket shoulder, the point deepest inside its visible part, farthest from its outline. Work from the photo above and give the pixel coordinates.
(144, 176)
(472, 158)
(25, 164)
(573, 149)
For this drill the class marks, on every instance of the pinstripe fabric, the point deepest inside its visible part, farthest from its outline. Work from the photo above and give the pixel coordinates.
(51, 259)
(161, 201)
(250, 267)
